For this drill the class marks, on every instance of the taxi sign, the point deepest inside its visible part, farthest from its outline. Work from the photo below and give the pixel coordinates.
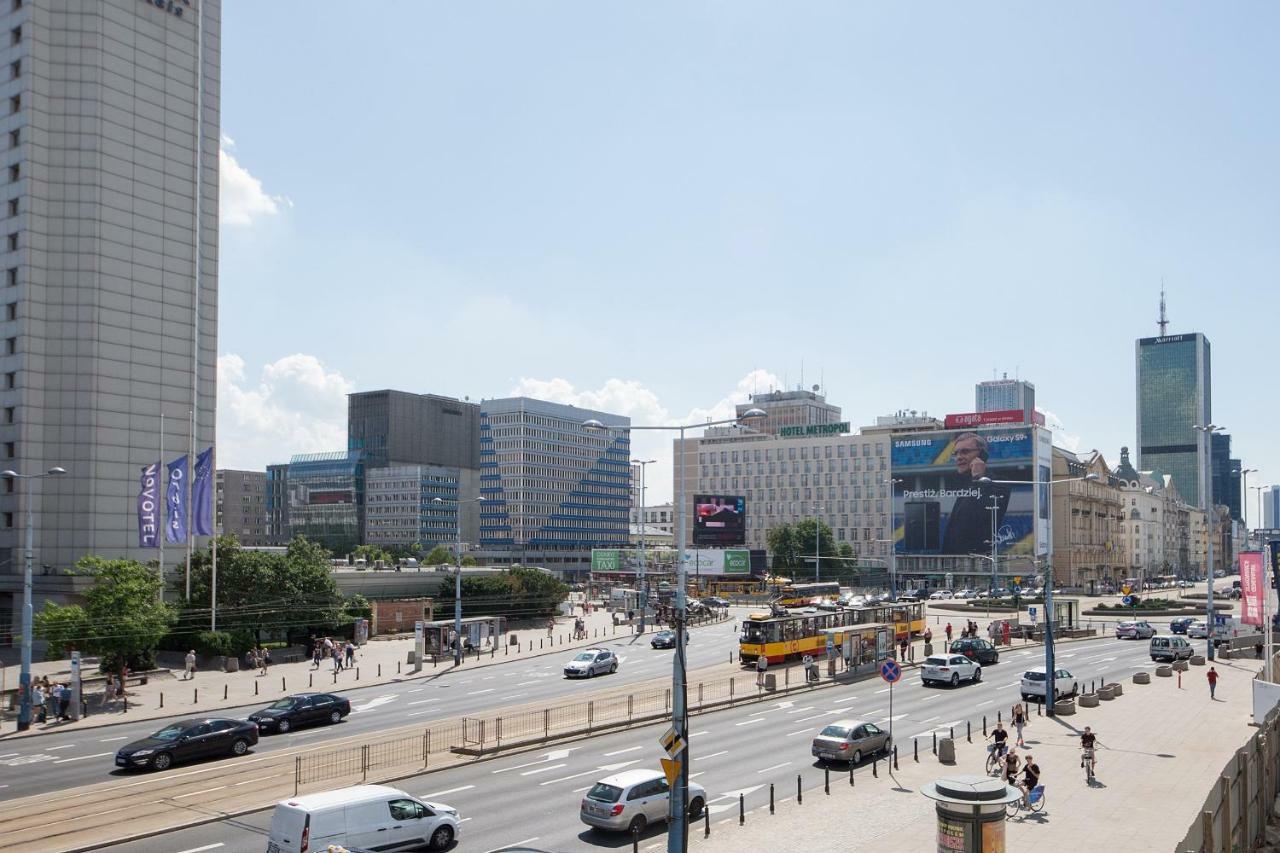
(671, 767)
(672, 742)
(890, 671)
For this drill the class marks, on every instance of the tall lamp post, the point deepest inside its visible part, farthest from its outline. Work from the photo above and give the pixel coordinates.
(457, 574)
(642, 577)
(677, 811)
(817, 543)
(28, 616)
(1244, 488)
(1050, 664)
(1206, 504)
(892, 483)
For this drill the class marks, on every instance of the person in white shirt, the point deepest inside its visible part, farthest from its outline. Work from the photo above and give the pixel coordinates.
(190, 671)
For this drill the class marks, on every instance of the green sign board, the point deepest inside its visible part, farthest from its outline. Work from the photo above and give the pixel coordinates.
(606, 560)
(814, 429)
(737, 562)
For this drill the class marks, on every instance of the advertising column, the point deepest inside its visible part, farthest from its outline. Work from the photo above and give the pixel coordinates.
(419, 643)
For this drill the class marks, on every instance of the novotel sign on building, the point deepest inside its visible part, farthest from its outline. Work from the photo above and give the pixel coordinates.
(814, 429)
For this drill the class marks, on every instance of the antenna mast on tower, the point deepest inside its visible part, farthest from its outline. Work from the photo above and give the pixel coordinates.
(1164, 320)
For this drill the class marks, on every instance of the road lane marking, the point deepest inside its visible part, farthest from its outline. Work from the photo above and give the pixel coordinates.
(703, 732)
(258, 779)
(988, 702)
(198, 793)
(109, 739)
(422, 701)
(775, 767)
(55, 748)
(800, 732)
(516, 844)
(82, 757)
(1010, 684)
(580, 790)
(447, 791)
(846, 699)
(750, 720)
(931, 698)
(538, 770)
(801, 710)
(886, 690)
(930, 720)
(478, 692)
(712, 755)
(621, 751)
(206, 847)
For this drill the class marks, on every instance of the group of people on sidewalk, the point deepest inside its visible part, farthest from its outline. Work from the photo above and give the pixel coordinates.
(51, 698)
(341, 654)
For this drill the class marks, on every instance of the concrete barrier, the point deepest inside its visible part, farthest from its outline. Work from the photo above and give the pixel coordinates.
(946, 751)
(1180, 666)
(1142, 678)
(1064, 707)
(1106, 694)
(1197, 660)
(1164, 671)
(1088, 700)
(1117, 688)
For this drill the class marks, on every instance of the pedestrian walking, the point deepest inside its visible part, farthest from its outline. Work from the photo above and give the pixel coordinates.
(350, 650)
(762, 664)
(902, 645)
(109, 691)
(64, 702)
(336, 657)
(189, 670)
(37, 702)
(317, 649)
(264, 660)
(1212, 675)
(948, 629)
(928, 635)
(1019, 720)
(551, 627)
(807, 662)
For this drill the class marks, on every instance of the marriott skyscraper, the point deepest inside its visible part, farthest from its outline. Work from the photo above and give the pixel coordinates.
(1174, 395)
(109, 128)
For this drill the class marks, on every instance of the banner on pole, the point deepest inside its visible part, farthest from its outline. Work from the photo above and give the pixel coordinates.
(1251, 587)
(202, 495)
(175, 528)
(148, 506)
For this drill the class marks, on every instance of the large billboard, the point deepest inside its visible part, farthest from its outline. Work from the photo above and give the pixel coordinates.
(719, 520)
(956, 485)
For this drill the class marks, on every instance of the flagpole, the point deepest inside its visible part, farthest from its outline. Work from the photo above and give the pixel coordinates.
(190, 476)
(166, 514)
(213, 590)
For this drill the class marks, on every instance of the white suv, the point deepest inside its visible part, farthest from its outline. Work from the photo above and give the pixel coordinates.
(949, 669)
(1033, 681)
(630, 800)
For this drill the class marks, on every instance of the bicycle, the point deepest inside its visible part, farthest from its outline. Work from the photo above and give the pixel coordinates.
(1036, 799)
(995, 759)
(1087, 761)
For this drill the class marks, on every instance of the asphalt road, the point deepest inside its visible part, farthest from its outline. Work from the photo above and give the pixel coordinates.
(58, 761)
(533, 798)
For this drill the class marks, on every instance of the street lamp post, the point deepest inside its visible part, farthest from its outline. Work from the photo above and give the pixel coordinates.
(892, 483)
(677, 810)
(1206, 503)
(817, 543)
(457, 574)
(28, 615)
(642, 579)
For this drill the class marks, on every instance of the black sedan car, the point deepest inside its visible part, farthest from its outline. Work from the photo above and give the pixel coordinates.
(187, 740)
(1180, 624)
(976, 649)
(303, 709)
(667, 640)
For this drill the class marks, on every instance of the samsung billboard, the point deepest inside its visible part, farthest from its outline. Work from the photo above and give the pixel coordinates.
(958, 486)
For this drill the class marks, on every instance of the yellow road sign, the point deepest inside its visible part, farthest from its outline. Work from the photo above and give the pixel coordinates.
(1017, 578)
(672, 742)
(1126, 589)
(672, 768)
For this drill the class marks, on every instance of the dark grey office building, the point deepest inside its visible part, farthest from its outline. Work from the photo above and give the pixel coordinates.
(399, 428)
(1173, 395)
(278, 528)
(1225, 473)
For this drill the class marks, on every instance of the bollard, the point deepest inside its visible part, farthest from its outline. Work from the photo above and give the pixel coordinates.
(968, 731)
(1039, 705)
(875, 767)
(935, 743)
(799, 793)
(539, 642)
(397, 667)
(999, 718)
(357, 673)
(952, 732)
(915, 750)
(379, 670)
(335, 678)
(195, 695)
(224, 693)
(635, 840)
(742, 809)
(311, 676)
(161, 700)
(826, 780)
(895, 756)
(283, 689)
(255, 688)
(984, 725)
(770, 798)
(706, 822)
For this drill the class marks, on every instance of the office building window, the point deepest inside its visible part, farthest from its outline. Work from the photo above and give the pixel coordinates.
(9, 485)
(11, 379)
(8, 519)
(11, 311)
(9, 413)
(15, 104)
(15, 35)
(10, 346)
(10, 449)
(13, 207)
(15, 138)
(12, 242)
(15, 172)
(11, 277)
(15, 69)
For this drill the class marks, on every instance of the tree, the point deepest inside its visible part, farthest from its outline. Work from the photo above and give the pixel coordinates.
(371, 554)
(259, 591)
(122, 619)
(469, 560)
(793, 545)
(782, 545)
(439, 556)
(517, 593)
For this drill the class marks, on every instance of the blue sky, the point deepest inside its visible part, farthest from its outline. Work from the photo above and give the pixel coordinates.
(656, 207)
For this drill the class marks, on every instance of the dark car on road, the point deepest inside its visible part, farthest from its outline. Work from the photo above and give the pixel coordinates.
(667, 640)
(188, 740)
(716, 602)
(1179, 624)
(303, 709)
(976, 649)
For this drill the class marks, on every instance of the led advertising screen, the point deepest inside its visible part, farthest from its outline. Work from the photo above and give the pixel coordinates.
(957, 484)
(719, 520)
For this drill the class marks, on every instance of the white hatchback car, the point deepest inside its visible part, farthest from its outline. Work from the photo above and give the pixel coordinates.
(590, 662)
(631, 800)
(949, 669)
(1033, 682)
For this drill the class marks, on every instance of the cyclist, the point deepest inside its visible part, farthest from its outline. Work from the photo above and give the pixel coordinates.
(1030, 778)
(1011, 761)
(1000, 737)
(1087, 741)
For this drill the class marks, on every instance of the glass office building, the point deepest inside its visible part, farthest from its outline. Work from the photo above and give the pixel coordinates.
(324, 490)
(1173, 395)
(401, 508)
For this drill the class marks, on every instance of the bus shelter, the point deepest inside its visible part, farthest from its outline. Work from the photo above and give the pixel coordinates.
(478, 632)
(859, 649)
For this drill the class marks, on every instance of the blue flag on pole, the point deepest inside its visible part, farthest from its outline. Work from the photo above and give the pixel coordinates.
(149, 506)
(175, 527)
(202, 495)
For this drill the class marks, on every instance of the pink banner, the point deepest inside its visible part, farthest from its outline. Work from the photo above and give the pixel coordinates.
(1251, 588)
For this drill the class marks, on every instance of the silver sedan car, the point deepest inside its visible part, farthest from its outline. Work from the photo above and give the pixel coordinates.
(851, 741)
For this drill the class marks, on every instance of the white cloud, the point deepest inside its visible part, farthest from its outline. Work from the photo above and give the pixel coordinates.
(1061, 437)
(295, 406)
(632, 399)
(241, 198)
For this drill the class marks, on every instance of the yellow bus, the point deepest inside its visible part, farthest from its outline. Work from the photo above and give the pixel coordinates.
(797, 634)
(804, 594)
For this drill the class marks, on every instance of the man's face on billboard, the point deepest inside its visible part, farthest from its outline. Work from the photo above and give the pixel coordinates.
(968, 459)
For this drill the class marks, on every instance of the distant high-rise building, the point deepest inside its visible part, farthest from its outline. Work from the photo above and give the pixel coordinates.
(1271, 507)
(553, 489)
(1002, 395)
(1173, 396)
(400, 428)
(278, 532)
(401, 508)
(241, 506)
(1220, 469)
(1234, 500)
(324, 490)
(786, 410)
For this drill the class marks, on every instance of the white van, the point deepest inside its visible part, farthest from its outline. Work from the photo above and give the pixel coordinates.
(372, 816)
(1170, 648)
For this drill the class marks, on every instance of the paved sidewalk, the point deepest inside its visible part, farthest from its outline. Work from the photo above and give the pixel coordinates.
(378, 662)
(1161, 749)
